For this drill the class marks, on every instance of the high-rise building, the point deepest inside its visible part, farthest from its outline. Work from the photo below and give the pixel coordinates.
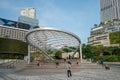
(109, 9)
(28, 16)
(110, 23)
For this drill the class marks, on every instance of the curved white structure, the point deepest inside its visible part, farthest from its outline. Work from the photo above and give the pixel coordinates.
(50, 38)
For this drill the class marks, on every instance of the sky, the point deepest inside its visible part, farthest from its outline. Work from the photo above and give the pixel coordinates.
(76, 16)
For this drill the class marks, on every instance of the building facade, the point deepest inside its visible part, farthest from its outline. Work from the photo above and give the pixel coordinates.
(109, 9)
(100, 35)
(110, 22)
(13, 33)
(14, 30)
(28, 16)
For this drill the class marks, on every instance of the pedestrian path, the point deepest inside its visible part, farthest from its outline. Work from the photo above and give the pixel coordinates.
(81, 75)
(60, 74)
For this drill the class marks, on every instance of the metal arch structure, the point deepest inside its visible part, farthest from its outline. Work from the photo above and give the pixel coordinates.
(44, 38)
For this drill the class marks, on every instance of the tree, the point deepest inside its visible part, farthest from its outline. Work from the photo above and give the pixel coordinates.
(101, 24)
(66, 49)
(95, 25)
(50, 51)
(116, 51)
(58, 54)
(87, 51)
(36, 55)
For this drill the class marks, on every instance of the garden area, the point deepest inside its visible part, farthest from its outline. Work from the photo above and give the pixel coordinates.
(96, 53)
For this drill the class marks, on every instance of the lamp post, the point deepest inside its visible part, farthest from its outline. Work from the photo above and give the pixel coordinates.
(119, 36)
(28, 58)
(81, 53)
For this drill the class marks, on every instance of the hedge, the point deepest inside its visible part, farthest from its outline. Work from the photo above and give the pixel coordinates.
(108, 58)
(114, 38)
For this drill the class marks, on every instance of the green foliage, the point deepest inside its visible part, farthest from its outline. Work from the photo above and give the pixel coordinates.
(12, 48)
(37, 54)
(98, 52)
(108, 50)
(88, 51)
(66, 49)
(116, 51)
(112, 58)
(11, 56)
(114, 38)
(58, 54)
(50, 51)
(108, 58)
(11, 45)
(72, 48)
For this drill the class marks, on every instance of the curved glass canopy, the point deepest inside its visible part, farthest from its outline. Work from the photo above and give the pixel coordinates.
(49, 38)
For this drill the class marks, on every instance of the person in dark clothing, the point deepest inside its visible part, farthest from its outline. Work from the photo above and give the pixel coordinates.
(38, 64)
(77, 62)
(107, 67)
(57, 64)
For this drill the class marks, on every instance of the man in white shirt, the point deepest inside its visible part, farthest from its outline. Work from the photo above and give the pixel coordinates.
(68, 66)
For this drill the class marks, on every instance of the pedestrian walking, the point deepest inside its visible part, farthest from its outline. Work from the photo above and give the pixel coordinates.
(38, 64)
(68, 66)
(77, 63)
(57, 64)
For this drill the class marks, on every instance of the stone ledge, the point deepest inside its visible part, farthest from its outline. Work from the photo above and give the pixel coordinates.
(111, 62)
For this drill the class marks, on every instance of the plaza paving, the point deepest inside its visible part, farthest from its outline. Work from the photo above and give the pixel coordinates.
(87, 71)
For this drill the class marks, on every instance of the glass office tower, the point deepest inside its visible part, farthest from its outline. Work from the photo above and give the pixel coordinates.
(109, 9)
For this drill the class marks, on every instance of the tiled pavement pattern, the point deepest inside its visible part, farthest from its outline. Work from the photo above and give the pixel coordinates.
(82, 72)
